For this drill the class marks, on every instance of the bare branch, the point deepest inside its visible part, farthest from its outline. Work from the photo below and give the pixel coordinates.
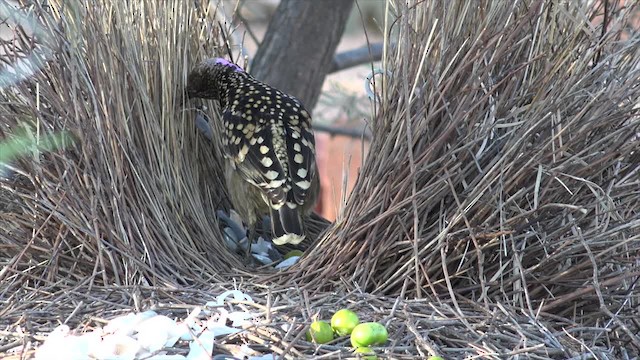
(351, 58)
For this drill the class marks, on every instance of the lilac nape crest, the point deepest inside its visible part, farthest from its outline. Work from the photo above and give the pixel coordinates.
(228, 63)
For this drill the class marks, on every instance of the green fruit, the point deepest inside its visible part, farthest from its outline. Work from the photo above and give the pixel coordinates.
(293, 253)
(366, 353)
(320, 332)
(366, 334)
(344, 321)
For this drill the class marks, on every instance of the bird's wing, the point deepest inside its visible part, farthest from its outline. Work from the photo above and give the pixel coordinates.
(249, 145)
(300, 154)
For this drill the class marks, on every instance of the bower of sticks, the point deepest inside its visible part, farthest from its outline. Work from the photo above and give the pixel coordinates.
(496, 216)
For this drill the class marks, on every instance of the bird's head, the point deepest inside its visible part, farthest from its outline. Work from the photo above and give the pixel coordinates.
(209, 78)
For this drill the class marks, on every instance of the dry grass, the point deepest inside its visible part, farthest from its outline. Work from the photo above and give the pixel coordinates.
(138, 191)
(512, 218)
(520, 186)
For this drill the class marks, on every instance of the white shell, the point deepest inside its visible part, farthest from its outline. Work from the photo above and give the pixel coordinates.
(155, 332)
(115, 347)
(201, 349)
(60, 345)
(240, 318)
(237, 296)
(126, 324)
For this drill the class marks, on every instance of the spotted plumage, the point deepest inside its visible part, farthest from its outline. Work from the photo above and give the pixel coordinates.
(269, 145)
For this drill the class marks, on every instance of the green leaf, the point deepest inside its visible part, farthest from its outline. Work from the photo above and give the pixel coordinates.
(25, 144)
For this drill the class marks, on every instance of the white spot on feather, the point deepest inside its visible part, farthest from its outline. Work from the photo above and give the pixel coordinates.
(276, 183)
(303, 184)
(271, 175)
(243, 153)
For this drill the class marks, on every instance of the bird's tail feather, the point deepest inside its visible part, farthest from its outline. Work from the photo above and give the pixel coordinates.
(286, 226)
